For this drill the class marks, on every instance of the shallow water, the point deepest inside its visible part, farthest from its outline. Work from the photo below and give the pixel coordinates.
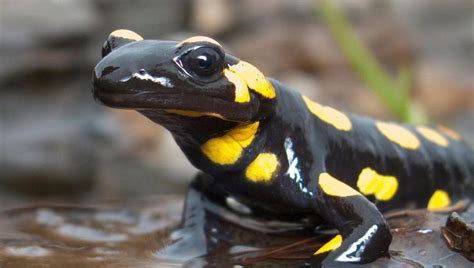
(99, 235)
(147, 233)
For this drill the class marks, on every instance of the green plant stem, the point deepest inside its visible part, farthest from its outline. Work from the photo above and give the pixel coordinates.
(394, 93)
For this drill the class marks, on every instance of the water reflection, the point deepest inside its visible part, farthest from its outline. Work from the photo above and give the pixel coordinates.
(156, 232)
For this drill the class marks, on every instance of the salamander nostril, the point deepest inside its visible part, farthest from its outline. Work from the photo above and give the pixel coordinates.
(108, 70)
(106, 48)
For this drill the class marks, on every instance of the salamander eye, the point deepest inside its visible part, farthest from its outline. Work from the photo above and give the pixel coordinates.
(204, 63)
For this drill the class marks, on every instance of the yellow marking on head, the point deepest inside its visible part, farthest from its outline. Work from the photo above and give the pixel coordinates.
(194, 113)
(254, 79)
(433, 136)
(335, 187)
(199, 39)
(241, 90)
(329, 115)
(439, 200)
(227, 149)
(398, 135)
(331, 245)
(381, 186)
(451, 133)
(262, 167)
(126, 34)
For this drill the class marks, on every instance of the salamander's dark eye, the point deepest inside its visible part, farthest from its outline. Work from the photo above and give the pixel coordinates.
(204, 63)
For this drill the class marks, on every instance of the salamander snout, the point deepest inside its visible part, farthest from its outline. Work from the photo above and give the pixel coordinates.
(194, 76)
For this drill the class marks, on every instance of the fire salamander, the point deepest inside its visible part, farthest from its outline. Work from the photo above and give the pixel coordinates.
(280, 153)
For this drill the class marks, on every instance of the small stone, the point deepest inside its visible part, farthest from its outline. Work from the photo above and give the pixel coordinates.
(459, 235)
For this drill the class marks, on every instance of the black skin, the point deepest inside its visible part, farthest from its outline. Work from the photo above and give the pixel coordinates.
(318, 146)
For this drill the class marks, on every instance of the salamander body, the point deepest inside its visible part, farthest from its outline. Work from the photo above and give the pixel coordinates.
(279, 153)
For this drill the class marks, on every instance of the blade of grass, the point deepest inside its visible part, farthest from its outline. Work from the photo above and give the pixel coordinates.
(405, 81)
(392, 92)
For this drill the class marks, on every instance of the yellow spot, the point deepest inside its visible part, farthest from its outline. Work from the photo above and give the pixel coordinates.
(126, 34)
(329, 115)
(451, 133)
(227, 149)
(399, 135)
(199, 39)
(439, 200)
(433, 136)
(193, 113)
(335, 187)
(331, 245)
(262, 167)
(382, 187)
(254, 79)
(241, 90)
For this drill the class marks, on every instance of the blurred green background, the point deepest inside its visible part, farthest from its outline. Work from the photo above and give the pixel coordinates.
(57, 143)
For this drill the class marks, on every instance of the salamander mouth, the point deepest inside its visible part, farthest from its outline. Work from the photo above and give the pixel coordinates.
(152, 100)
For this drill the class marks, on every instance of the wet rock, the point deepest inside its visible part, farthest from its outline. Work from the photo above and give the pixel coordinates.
(146, 233)
(34, 251)
(459, 235)
(62, 236)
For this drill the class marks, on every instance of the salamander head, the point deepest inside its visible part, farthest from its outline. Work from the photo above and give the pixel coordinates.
(192, 78)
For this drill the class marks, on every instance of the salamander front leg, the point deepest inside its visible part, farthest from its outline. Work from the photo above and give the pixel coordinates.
(364, 234)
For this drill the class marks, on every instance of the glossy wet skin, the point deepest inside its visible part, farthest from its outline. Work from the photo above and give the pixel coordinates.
(167, 75)
(278, 153)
